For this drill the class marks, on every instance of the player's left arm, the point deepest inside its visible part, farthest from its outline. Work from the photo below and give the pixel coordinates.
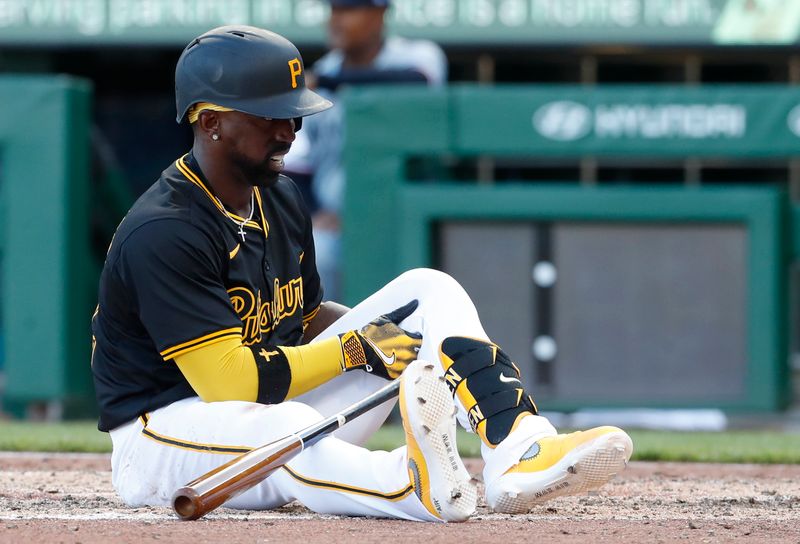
(228, 370)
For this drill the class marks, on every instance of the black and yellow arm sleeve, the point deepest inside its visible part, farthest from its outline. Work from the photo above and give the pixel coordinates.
(228, 370)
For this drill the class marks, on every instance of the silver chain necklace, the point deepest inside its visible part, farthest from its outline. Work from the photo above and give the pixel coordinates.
(241, 224)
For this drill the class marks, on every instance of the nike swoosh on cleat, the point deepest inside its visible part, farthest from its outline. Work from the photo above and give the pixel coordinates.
(506, 379)
(386, 360)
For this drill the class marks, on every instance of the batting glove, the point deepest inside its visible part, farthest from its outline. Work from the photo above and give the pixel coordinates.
(381, 347)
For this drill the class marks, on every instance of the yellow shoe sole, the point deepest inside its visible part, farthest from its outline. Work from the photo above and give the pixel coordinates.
(441, 480)
(586, 467)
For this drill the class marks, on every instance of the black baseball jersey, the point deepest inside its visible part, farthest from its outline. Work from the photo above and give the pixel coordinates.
(179, 276)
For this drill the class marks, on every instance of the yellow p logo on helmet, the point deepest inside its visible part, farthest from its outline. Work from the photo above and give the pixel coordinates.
(295, 69)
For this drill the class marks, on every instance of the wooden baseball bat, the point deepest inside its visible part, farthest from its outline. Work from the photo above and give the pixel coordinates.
(211, 490)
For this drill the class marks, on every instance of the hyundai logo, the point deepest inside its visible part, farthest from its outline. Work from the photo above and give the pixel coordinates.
(563, 121)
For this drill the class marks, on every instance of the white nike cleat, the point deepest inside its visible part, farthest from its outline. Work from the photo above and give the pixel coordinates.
(565, 464)
(441, 482)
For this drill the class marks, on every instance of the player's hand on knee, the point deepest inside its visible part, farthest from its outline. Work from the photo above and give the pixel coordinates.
(381, 347)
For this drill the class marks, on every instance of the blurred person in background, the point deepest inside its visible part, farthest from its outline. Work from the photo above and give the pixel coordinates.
(360, 54)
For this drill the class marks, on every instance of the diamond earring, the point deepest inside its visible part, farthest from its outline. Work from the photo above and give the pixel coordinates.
(215, 137)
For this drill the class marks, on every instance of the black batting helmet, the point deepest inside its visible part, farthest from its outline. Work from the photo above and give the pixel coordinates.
(246, 69)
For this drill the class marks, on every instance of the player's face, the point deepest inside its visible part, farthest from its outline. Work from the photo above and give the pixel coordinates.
(257, 145)
(350, 28)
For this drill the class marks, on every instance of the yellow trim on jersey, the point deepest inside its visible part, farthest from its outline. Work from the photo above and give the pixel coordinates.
(264, 223)
(307, 319)
(194, 178)
(191, 446)
(302, 254)
(312, 315)
(180, 349)
(334, 486)
(235, 251)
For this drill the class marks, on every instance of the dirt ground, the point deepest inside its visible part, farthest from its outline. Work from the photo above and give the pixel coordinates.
(68, 498)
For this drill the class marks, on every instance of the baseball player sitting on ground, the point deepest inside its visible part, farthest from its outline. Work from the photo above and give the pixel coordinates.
(211, 336)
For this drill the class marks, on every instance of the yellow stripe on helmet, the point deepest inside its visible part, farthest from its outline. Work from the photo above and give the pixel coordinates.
(195, 109)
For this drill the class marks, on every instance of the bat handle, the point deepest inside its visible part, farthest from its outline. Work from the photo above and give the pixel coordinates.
(314, 433)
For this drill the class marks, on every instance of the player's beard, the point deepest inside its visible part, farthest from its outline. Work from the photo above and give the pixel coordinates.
(259, 173)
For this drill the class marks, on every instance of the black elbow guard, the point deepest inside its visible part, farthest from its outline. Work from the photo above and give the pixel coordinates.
(274, 374)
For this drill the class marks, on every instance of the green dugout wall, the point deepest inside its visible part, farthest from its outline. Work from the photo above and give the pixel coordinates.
(666, 296)
(47, 273)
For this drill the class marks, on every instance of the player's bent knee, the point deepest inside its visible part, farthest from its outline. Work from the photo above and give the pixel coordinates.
(436, 281)
(425, 275)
